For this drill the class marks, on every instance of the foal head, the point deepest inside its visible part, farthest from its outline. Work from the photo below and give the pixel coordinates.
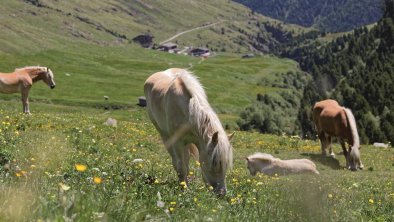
(257, 161)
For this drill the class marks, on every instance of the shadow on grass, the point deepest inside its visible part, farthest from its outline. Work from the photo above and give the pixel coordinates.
(325, 160)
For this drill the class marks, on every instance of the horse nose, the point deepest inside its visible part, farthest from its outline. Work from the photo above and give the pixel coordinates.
(53, 86)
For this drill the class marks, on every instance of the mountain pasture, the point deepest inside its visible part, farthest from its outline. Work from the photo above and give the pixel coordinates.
(63, 163)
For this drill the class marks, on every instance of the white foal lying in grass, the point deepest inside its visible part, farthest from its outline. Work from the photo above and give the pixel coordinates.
(267, 164)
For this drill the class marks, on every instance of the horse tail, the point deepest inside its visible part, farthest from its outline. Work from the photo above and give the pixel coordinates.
(354, 155)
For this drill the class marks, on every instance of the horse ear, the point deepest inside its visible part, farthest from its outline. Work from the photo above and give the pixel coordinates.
(230, 136)
(247, 159)
(215, 138)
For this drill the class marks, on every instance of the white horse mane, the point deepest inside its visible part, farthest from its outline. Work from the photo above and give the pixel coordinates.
(261, 156)
(353, 127)
(205, 121)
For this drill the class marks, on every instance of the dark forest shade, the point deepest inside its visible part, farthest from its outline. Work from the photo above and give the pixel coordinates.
(326, 15)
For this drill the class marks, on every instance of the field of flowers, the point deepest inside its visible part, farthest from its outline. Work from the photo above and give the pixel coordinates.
(64, 163)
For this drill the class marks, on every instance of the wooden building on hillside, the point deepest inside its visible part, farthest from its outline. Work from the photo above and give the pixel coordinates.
(200, 51)
(168, 47)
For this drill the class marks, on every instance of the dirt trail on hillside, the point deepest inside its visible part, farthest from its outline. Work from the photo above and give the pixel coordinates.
(190, 30)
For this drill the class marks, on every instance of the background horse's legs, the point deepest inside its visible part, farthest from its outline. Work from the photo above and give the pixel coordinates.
(25, 100)
(329, 144)
(180, 155)
(323, 143)
(345, 152)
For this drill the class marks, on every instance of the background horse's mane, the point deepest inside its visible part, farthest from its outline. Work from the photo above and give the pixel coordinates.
(30, 67)
(205, 121)
(261, 156)
(353, 127)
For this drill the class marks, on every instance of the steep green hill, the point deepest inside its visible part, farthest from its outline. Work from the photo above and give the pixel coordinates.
(36, 24)
(325, 15)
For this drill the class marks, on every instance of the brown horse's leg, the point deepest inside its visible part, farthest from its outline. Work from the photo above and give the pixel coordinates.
(25, 100)
(345, 152)
(323, 143)
(329, 144)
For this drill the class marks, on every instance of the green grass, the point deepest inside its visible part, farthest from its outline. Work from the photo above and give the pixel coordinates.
(85, 73)
(40, 181)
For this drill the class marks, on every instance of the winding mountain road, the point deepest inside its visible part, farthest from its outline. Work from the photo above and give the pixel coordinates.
(190, 30)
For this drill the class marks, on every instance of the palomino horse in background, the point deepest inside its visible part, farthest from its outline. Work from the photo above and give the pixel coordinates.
(22, 79)
(333, 120)
(178, 107)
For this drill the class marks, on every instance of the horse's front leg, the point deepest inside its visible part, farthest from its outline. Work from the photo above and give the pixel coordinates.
(180, 155)
(360, 164)
(25, 100)
(345, 152)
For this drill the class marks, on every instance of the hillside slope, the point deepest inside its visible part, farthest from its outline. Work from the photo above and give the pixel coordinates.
(325, 15)
(35, 24)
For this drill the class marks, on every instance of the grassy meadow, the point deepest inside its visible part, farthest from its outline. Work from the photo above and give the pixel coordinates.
(62, 163)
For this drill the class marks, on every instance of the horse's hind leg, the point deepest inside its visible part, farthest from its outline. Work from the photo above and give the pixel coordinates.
(329, 144)
(323, 143)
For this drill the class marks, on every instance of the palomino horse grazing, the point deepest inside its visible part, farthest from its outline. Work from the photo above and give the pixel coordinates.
(178, 107)
(333, 120)
(22, 79)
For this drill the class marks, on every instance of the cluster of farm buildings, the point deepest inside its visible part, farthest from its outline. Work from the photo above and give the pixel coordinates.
(146, 41)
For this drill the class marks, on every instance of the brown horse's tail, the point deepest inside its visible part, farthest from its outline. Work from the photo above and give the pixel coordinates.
(354, 154)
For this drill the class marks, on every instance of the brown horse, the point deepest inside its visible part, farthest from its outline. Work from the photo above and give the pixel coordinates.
(178, 107)
(22, 79)
(332, 120)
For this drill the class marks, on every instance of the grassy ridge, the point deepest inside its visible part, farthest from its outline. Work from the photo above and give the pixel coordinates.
(41, 181)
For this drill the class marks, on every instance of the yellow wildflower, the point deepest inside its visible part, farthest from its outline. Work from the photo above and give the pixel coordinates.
(183, 184)
(198, 163)
(172, 209)
(370, 201)
(97, 180)
(329, 196)
(173, 203)
(80, 167)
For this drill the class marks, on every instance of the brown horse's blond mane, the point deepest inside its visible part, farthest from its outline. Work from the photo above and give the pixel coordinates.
(30, 67)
